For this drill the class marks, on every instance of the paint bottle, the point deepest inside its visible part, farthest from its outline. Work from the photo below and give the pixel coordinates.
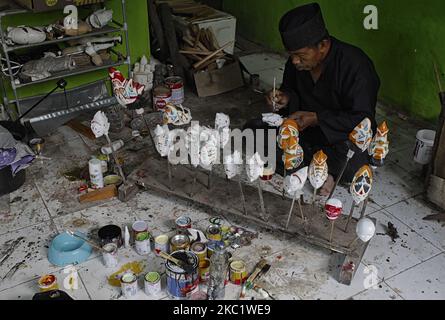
(218, 274)
(96, 176)
(110, 255)
(129, 285)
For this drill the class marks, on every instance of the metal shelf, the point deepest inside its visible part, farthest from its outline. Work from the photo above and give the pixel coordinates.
(77, 71)
(104, 30)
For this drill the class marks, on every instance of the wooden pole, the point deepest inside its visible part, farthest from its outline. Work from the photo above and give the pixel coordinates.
(260, 193)
(290, 211)
(332, 231)
(351, 212)
(243, 198)
(198, 64)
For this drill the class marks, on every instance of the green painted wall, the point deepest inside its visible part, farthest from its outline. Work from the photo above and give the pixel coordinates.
(137, 17)
(409, 31)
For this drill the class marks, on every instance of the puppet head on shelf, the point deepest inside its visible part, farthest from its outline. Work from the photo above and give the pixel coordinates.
(126, 91)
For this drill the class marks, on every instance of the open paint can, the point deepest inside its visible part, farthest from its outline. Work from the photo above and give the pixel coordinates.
(152, 283)
(214, 232)
(139, 227)
(204, 270)
(110, 234)
(183, 223)
(129, 285)
(161, 244)
(200, 249)
(180, 284)
(237, 272)
(179, 242)
(161, 96)
(110, 255)
(142, 243)
(176, 86)
(48, 283)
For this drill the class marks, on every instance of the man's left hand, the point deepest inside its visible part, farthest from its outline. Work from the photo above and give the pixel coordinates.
(305, 119)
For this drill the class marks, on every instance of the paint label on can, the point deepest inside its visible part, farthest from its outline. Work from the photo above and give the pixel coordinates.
(161, 97)
(161, 244)
(214, 233)
(142, 247)
(237, 272)
(176, 86)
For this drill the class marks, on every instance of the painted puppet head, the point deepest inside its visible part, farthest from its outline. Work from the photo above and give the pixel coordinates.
(318, 169)
(379, 146)
(361, 136)
(295, 182)
(333, 209)
(361, 184)
(292, 161)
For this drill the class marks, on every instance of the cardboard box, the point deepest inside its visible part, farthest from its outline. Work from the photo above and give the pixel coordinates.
(223, 27)
(50, 5)
(210, 83)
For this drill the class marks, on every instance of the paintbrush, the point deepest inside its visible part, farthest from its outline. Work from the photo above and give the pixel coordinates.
(252, 277)
(87, 241)
(180, 263)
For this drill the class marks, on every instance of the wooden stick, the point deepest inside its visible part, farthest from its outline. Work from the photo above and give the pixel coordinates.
(274, 92)
(352, 242)
(243, 198)
(332, 231)
(290, 211)
(198, 36)
(71, 233)
(260, 193)
(196, 52)
(365, 204)
(284, 177)
(301, 209)
(351, 212)
(314, 196)
(436, 71)
(198, 64)
(169, 175)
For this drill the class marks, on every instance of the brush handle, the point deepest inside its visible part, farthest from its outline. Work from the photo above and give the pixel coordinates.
(169, 257)
(88, 241)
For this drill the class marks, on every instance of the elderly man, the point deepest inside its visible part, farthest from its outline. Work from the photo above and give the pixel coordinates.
(328, 87)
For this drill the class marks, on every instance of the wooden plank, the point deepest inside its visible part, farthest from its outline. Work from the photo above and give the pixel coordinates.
(107, 192)
(81, 128)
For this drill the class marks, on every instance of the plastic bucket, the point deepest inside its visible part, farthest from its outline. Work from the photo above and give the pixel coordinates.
(423, 151)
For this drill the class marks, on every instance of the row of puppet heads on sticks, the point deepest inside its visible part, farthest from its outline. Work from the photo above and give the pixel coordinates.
(361, 139)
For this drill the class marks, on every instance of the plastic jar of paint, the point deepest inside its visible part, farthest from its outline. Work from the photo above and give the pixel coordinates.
(48, 282)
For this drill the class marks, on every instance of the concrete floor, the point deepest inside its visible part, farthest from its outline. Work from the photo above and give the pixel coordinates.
(411, 267)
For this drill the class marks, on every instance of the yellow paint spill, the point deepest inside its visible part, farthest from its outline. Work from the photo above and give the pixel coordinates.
(135, 267)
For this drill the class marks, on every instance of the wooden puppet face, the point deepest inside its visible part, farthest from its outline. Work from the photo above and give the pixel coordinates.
(333, 209)
(295, 182)
(379, 147)
(318, 169)
(292, 161)
(288, 136)
(361, 136)
(361, 185)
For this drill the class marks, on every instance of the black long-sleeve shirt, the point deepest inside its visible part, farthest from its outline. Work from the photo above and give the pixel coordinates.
(343, 96)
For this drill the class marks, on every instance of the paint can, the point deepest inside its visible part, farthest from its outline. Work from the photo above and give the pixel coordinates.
(204, 270)
(110, 234)
(152, 283)
(179, 242)
(200, 249)
(237, 272)
(212, 245)
(183, 223)
(129, 285)
(110, 256)
(214, 232)
(161, 244)
(181, 285)
(140, 229)
(96, 176)
(176, 86)
(161, 96)
(48, 283)
(142, 243)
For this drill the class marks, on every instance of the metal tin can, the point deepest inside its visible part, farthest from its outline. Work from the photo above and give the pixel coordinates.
(183, 223)
(161, 244)
(96, 175)
(204, 270)
(48, 282)
(142, 243)
(152, 283)
(214, 232)
(110, 256)
(200, 249)
(110, 234)
(179, 242)
(176, 86)
(139, 227)
(129, 285)
(237, 272)
(161, 96)
(212, 245)
(180, 284)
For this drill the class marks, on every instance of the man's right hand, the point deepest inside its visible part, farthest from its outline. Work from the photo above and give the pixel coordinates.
(281, 100)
